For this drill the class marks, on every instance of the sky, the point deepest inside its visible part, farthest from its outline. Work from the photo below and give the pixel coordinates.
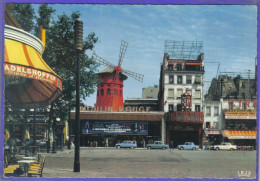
(228, 32)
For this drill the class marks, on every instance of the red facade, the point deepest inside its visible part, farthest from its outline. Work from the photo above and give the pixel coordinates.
(110, 90)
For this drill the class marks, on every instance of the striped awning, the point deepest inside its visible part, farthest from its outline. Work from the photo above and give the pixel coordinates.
(239, 134)
(29, 81)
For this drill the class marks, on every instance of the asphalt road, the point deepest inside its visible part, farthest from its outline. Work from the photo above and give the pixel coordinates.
(142, 163)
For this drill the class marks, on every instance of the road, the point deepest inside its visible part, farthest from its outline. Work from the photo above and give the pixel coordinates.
(142, 163)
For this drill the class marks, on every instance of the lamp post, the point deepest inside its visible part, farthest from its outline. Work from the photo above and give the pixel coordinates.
(78, 44)
(54, 134)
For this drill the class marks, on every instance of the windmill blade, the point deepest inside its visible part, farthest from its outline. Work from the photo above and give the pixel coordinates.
(122, 52)
(102, 61)
(136, 76)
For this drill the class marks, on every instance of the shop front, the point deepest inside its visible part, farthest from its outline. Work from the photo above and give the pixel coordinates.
(100, 129)
(240, 128)
(212, 137)
(184, 126)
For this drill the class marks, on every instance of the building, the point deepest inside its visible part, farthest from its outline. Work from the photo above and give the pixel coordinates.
(140, 125)
(213, 116)
(149, 99)
(150, 92)
(236, 99)
(182, 70)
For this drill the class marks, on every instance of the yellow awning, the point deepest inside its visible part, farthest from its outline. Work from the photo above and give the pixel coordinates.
(41, 85)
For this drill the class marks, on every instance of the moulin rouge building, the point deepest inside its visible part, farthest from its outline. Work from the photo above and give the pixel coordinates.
(110, 119)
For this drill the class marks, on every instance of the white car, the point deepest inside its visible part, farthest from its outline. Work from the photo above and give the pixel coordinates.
(225, 146)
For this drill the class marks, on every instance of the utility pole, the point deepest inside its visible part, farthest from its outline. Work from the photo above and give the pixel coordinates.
(78, 45)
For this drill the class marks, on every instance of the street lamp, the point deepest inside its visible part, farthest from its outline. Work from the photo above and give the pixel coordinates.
(54, 134)
(78, 44)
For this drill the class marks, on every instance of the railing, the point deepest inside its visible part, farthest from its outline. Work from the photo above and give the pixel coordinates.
(185, 116)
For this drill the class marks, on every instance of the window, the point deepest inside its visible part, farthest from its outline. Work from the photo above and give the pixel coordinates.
(197, 108)
(216, 111)
(207, 124)
(179, 93)
(189, 91)
(171, 93)
(102, 92)
(197, 79)
(115, 92)
(208, 111)
(108, 92)
(170, 66)
(179, 66)
(188, 79)
(97, 93)
(179, 108)
(216, 125)
(170, 107)
(243, 85)
(120, 93)
(179, 79)
(171, 79)
(197, 94)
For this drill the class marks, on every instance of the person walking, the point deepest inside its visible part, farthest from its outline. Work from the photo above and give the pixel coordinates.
(106, 143)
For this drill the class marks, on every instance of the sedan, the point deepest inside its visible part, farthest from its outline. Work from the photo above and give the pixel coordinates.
(127, 144)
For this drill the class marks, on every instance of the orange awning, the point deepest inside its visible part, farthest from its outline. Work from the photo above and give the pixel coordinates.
(29, 81)
(193, 63)
(170, 63)
(237, 134)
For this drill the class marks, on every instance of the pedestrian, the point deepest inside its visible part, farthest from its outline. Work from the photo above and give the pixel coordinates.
(106, 143)
(171, 144)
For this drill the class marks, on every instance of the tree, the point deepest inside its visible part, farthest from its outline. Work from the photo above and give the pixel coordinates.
(61, 57)
(45, 15)
(24, 15)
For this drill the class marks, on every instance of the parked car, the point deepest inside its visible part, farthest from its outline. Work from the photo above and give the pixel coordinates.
(127, 144)
(157, 145)
(188, 146)
(225, 146)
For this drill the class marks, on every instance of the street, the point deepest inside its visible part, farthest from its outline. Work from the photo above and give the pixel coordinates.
(142, 163)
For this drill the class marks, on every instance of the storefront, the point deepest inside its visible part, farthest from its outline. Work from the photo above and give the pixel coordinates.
(97, 127)
(240, 128)
(212, 136)
(184, 126)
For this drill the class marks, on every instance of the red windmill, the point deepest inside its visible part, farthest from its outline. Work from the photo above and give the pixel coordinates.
(110, 86)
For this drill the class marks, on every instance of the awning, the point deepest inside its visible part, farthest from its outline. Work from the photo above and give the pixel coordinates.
(170, 63)
(29, 81)
(212, 132)
(240, 115)
(239, 134)
(188, 63)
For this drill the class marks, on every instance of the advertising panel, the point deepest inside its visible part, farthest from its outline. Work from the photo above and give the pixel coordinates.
(100, 127)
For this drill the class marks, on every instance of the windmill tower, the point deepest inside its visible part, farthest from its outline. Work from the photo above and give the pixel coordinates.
(110, 86)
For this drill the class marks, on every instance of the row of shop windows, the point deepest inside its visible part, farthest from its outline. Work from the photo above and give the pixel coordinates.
(108, 92)
(197, 94)
(188, 79)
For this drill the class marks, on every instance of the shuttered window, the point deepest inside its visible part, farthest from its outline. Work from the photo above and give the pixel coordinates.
(197, 79)
(179, 93)
(171, 93)
(188, 79)
(197, 94)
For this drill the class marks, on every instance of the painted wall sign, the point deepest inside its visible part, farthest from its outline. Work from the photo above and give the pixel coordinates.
(100, 127)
